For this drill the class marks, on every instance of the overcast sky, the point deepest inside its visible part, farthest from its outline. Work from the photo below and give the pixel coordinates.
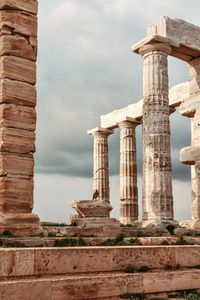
(86, 69)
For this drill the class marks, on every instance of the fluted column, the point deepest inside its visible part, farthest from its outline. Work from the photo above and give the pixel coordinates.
(191, 155)
(157, 198)
(128, 173)
(100, 163)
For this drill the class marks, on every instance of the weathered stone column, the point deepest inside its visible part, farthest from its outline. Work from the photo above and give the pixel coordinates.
(18, 53)
(191, 155)
(101, 165)
(128, 172)
(157, 198)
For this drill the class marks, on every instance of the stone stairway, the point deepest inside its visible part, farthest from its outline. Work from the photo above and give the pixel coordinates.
(98, 272)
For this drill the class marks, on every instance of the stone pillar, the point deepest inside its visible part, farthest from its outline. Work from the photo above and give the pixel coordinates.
(128, 173)
(157, 198)
(100, 163)
(18, 53)
(191, 155)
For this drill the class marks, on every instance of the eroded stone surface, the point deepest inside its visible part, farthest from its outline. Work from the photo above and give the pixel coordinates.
(19, 22)
(101, 166)
(18, 69)
(23, 5)
(16, 46)
(128, 173)
(92, 208)
(15, 92)
(157, 198)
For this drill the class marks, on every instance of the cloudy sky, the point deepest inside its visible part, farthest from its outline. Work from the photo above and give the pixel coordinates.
(86, 69)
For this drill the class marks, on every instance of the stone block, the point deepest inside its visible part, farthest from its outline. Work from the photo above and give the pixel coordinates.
(17, 140)
(16, 46)
(17, 263)
(188, 106)
(181, 32)
(17, 116)
(186, 258)
(19, 93)
(151, 257)
(92, 208)
(79, 260)
(16, 195)
(17, 68)
(189, 155)
(20, 221)
(24, 5)
(19, 22)
(16, 165)
(26, 290)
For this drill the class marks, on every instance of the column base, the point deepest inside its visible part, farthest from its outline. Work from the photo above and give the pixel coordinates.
(20, 224)
(159, 223)
(192, 224)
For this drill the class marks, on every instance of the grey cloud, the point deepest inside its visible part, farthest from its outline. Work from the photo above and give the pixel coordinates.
(86, 69)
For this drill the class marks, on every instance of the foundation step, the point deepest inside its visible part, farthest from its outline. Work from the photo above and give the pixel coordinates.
(109, 285)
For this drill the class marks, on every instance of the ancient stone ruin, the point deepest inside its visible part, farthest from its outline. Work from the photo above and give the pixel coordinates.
(167, 37)
(53, 262)
(18, 54)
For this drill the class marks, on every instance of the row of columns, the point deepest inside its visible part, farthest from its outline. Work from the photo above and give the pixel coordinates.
(157, 195)
(157, 198)
(128, 168)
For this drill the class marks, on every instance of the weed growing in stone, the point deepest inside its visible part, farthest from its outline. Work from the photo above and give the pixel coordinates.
(133, 296)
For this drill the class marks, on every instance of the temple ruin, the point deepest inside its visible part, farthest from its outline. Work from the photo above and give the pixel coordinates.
(48, 261)
(167, 37)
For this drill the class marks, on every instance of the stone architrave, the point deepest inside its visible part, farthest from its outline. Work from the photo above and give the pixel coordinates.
(157, 198)
(100, 163)
(128, 172)
(18, 54)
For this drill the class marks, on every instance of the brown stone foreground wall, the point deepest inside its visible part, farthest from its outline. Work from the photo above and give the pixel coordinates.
(96, 272)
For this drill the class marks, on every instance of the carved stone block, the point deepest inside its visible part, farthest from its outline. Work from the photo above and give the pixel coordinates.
(15, 92)
(24, 5)
(16, 46)
(19, 22)
(17, 68)
(17, 141)
(17, 116)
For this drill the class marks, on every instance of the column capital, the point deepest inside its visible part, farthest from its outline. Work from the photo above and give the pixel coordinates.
(128, 122)
(159, 47)
(99, 131)
(154, 39)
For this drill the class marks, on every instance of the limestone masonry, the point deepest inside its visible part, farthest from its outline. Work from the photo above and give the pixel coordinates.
(156, 257)
(18, 54)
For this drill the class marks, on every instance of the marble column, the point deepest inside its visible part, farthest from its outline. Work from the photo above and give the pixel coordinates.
(18, 56)
(101, 163)
(157, 198)
(128, 173)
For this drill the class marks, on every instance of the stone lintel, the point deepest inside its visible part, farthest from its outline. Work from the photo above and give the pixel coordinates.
(100, 130)
(154, 39)
(185, 34)
(177, 94)
(189, 155)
